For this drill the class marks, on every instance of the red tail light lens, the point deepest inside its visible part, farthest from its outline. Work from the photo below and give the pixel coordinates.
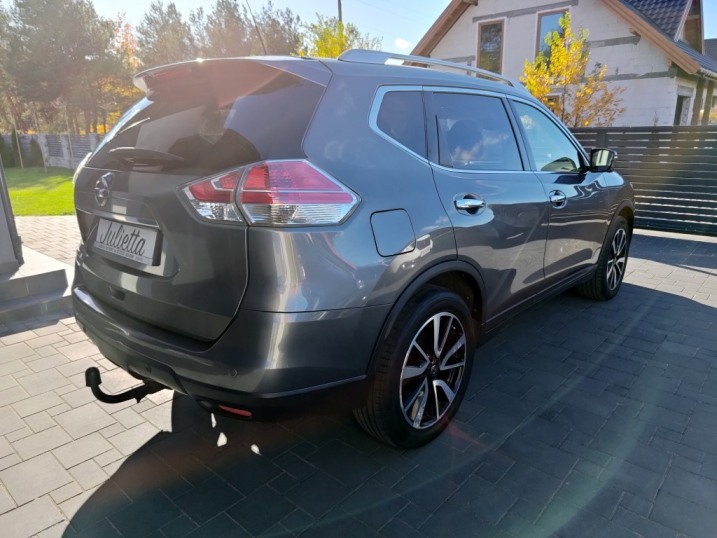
(272, 193)
(213, 198)
(287, 193)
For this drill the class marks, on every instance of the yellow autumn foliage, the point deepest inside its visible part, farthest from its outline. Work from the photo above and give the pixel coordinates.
(328, 37)
(561, 80)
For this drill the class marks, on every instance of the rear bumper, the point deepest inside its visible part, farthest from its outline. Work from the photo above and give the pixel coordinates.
(270, 364)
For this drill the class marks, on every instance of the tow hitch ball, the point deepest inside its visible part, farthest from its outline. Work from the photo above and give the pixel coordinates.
(94, 380)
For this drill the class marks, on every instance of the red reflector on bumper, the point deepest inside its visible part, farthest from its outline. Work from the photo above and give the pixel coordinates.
(234, 411)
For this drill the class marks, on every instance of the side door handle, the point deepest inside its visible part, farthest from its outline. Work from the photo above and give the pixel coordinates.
(469, 202)
(558, 198)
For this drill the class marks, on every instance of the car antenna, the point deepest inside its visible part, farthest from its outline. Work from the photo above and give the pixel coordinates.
(256, 27)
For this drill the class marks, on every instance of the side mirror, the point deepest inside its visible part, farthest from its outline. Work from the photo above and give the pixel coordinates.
(601, 160)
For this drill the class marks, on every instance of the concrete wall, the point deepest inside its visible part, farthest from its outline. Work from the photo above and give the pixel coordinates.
(635, 64)
(9, 242)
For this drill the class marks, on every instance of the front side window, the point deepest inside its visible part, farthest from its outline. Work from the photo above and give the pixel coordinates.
(401, 118)
(551, 149)
(547, 23)
(474, 133)
(490, 46)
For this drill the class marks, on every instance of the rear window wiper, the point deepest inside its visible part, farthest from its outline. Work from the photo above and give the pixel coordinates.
(144, 157)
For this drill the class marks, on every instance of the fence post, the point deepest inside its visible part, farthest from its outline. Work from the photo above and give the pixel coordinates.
(708, 102)
(699, 100)
(44, 149)
(64, 145)
(602, 138)
(72, 154)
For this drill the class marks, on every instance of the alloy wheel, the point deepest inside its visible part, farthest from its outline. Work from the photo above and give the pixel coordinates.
(617, 259)
(433, 370)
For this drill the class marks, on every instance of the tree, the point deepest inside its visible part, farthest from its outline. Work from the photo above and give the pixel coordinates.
(86, 92)
(125, 43)
(223, 32)
(561, 81)
(280, 31)
(328, 38)
(7, 89)
(117, 92)
(163, 36)
(229, 30)
(56, 49)
(4, 20)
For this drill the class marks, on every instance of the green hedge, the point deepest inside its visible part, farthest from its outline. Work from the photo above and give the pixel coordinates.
(8, 159)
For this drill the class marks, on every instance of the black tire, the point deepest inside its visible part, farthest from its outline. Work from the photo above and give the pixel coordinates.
(610, 271)
(416, 390)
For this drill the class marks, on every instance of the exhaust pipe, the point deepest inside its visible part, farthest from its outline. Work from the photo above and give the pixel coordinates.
(94, 380)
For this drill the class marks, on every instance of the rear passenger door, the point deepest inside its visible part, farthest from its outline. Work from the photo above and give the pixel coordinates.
(497, 206)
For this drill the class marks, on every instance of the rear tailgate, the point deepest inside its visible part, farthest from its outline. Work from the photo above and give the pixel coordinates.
(147, 249)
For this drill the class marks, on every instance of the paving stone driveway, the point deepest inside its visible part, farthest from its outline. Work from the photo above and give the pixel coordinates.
(581, 419)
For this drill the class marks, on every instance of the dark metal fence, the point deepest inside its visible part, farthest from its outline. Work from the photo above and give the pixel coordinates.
(54, 146)
(673, 171)
(63, 150)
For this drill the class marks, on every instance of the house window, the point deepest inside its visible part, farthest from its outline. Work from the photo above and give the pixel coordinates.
(490, 46)
(547, 23)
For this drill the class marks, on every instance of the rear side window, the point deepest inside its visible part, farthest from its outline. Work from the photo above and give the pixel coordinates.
(474, 133)
(221, 116)
(401, 118)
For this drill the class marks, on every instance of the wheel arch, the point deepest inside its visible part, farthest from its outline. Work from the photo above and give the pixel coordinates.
(627, 210)
(457, 276)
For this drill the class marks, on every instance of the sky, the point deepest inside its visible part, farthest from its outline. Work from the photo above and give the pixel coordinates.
(400, 23)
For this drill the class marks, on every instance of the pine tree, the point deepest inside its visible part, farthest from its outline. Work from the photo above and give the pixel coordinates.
(163, 36)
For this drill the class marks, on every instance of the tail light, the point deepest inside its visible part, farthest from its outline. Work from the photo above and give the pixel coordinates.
(293, 193)
(213, 198)
(273, 193)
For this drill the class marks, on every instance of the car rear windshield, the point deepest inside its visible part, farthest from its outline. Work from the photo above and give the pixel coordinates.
(220, 116)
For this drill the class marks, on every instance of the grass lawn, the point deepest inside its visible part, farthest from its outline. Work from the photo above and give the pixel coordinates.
(38, 193)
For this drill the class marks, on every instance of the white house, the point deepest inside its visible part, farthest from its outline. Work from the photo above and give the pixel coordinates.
(654, 49)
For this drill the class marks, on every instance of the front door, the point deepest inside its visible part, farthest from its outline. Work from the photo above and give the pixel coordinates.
(578, 198)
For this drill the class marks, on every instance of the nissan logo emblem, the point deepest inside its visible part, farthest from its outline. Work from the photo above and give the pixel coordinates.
(103, 189)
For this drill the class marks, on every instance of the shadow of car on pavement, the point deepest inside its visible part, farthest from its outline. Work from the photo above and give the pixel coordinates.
(570, 426)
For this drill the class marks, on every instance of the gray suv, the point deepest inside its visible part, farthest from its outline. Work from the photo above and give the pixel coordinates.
(270, 234)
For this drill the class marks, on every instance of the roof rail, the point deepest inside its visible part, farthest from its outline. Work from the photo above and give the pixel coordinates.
(380, 57)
